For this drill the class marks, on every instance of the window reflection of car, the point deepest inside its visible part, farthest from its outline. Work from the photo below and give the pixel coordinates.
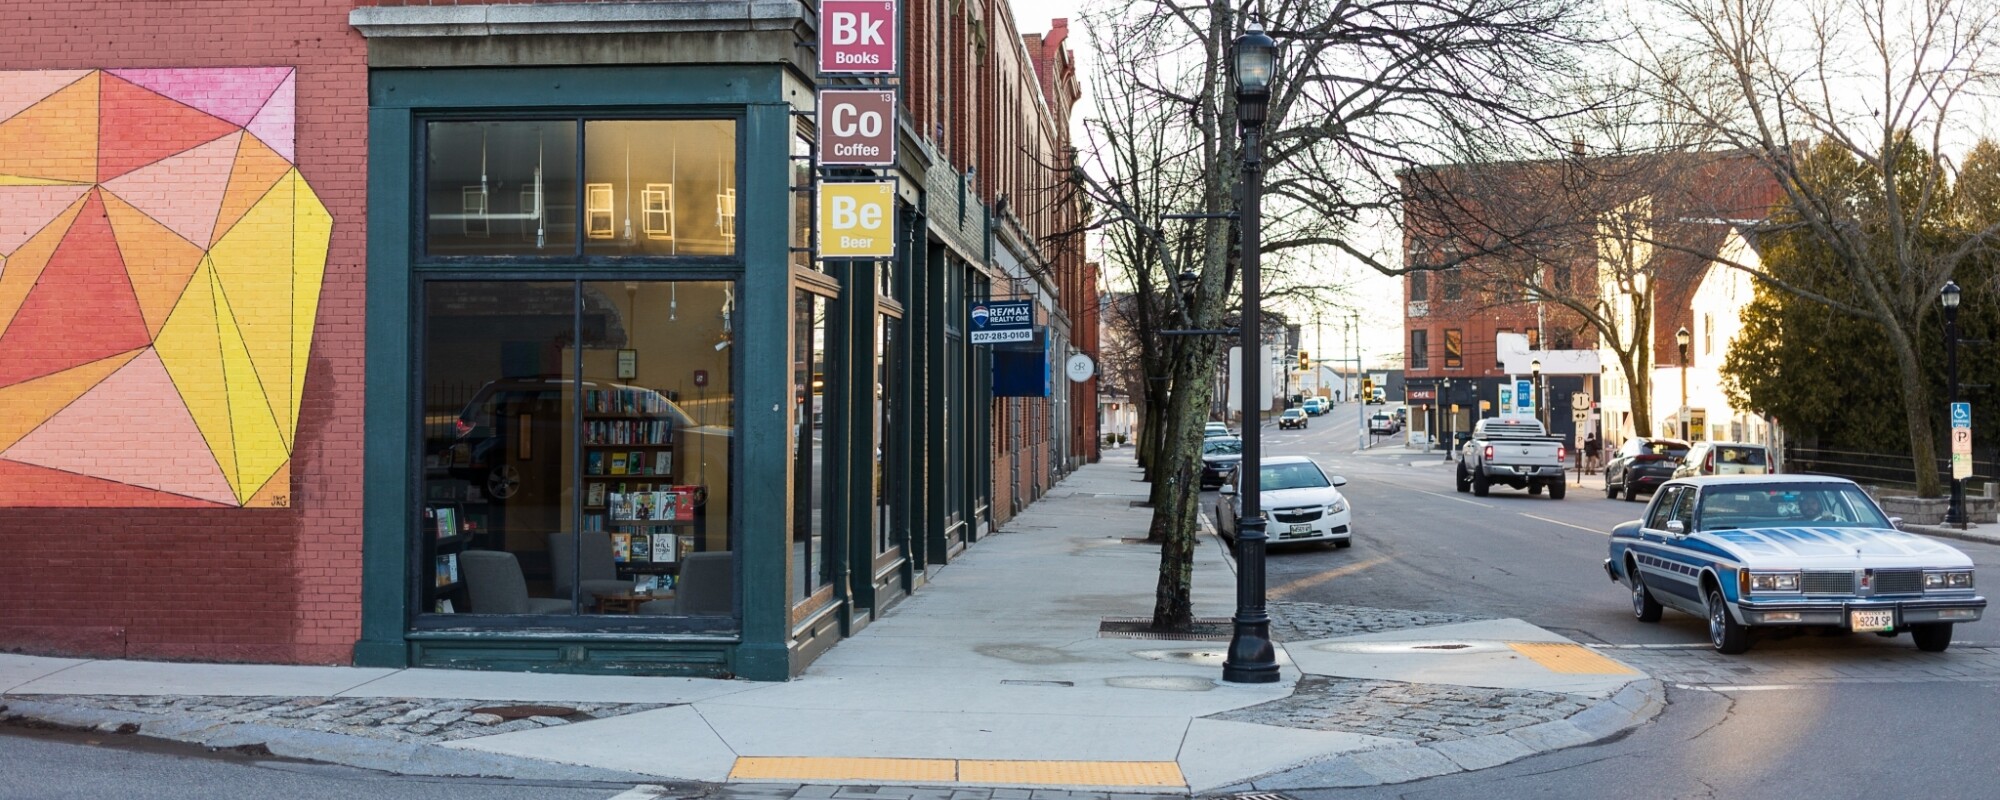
(1219, 457)
(1301, 503)
(1782, 553)
(1215, 429)
(487, 428)
(1292, 418)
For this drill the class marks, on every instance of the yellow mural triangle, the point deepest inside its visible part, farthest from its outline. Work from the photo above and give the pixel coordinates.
(313, 227)
(259, 449)
(277, 492)
(191, 347)
(253, 263)
(26, 405)
(25, 264)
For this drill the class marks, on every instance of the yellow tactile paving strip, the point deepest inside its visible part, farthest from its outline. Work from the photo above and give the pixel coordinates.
(1572, 659)
(945, 770)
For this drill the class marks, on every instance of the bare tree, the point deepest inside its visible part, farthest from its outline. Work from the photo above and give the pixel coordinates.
(1885, 84)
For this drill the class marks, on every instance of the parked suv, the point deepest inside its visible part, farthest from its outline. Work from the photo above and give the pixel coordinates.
(1642, 464)
(1724, 458)
(1292, 418)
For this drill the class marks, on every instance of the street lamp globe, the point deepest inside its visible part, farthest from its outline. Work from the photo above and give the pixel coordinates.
(1949, 295)
(1681, 338)
(1256, 66)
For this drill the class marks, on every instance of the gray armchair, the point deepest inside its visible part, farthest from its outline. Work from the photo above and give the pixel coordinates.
(494, 585)
(706, 587)
(587, 558)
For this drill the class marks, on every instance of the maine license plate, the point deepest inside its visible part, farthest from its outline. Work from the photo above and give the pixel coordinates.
(1873, 620)
(1299, 529)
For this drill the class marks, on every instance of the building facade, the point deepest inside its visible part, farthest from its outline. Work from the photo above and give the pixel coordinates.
(494, 336)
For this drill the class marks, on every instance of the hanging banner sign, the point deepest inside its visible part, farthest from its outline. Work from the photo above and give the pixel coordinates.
(857, 37)
(1001, 321)
(1961, 441)
(857, 128)
(857, 220)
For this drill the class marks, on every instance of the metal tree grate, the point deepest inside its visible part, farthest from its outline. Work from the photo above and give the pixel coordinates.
(1206, 629)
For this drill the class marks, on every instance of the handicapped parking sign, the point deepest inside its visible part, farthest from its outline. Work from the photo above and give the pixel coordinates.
(1961, 415)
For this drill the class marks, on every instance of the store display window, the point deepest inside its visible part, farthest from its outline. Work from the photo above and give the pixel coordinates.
(578, 438)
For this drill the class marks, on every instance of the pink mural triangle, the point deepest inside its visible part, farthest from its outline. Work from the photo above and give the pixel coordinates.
(274, 124)
(23, 89)
(133, 429)
(232, 94)
(183, 193)
(26, 210)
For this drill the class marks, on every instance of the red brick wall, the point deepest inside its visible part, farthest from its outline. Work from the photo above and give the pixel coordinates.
(277, 585)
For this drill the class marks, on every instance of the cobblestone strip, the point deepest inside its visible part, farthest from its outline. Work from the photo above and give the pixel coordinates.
(1411, 711)
(1293, 621)
(400, 719)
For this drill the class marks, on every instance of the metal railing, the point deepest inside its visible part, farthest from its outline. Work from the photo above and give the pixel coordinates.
(1885, 469)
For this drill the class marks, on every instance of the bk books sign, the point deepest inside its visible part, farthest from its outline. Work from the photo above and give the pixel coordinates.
(857, 37)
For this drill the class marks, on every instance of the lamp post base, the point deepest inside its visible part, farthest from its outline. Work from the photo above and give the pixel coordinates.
(1252, 658)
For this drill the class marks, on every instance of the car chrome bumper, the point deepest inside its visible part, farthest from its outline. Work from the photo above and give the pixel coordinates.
(1835, 612)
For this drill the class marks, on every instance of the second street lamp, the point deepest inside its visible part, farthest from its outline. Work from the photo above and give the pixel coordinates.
(1251, 659)
(1681, 418)
(1536, 385)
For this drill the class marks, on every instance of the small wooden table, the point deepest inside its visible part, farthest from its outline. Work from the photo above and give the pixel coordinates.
(628, 602)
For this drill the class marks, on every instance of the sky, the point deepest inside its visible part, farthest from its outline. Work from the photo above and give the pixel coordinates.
(1375, 297)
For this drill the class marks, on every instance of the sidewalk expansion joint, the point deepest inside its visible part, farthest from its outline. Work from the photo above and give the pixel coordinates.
(948, 770)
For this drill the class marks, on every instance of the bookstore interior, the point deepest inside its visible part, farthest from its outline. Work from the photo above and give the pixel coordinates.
(578, 441)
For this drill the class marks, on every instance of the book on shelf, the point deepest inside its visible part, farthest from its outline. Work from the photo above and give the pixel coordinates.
(447, 522)
(642, 547)
(447, 569)
(642, 505)
(444, 606)
(663, 462)
(663, 548)
(621, 547)
(594, 496)
(594, 463)
(618, 463)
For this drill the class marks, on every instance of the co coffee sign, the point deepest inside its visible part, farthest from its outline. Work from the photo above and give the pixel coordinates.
(859, 128)
(857, 36)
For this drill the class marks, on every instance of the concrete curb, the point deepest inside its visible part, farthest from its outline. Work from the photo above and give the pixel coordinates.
(1636, 703)
(382, 755)
(1981, 537)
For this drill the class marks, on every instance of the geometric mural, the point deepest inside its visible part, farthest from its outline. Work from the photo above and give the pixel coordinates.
(160, 269)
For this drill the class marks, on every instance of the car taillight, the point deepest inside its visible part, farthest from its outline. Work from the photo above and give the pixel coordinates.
(1708, 464)
(1489, 452)
(461, 426)
(1562, 454)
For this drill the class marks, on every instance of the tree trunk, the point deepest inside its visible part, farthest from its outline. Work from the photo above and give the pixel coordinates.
(1177, 514)
(1916, 401)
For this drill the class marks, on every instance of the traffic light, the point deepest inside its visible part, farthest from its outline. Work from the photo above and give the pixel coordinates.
(1367, 386)
(1304, 362)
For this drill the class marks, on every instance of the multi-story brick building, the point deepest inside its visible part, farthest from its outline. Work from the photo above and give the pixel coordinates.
(454, 334)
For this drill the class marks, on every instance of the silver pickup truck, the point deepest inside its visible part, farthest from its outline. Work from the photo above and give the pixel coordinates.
(1512, 452)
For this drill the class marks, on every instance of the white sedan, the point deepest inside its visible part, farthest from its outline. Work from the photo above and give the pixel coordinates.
(1301, 503)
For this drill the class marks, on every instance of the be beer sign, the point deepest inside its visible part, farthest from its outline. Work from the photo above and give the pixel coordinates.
(857, 36)
(857, 220)
(858, 128)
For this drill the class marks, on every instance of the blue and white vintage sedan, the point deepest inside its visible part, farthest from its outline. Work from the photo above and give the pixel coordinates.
(1751, 551)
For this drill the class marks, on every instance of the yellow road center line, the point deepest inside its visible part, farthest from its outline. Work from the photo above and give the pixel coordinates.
(946, 770)
(1571, 659)
(1323, 577)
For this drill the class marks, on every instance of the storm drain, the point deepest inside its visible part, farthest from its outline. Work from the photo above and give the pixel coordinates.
(1261, 796)
(1206, 629)
(524, 712)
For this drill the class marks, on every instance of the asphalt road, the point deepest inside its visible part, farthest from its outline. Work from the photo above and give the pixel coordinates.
(1808, 716)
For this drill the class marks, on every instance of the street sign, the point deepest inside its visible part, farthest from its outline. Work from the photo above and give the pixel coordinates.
(1524, 396)
(1961, 441)
(1580, 416)
(1001, 321)
(1579, 402)
(857, 37)
(858, 128)
(857, 220)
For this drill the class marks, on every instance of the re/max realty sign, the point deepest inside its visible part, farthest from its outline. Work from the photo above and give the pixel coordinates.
(1001, 321)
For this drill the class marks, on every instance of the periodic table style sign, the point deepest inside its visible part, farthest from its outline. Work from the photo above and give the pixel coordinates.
(857, 127)
(857, 37)
(857, 220)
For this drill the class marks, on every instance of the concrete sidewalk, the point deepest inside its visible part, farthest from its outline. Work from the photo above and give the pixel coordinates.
(998, 673)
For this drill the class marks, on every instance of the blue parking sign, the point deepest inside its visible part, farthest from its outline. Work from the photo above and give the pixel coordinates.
(1961, 415)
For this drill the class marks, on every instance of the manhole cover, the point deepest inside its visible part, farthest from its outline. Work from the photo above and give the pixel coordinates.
(1036, 683)
(523, 712)
(1261, 796)
(1207, 657)
(1442, 647)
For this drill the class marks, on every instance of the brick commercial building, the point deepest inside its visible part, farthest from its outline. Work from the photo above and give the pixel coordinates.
(493, 335)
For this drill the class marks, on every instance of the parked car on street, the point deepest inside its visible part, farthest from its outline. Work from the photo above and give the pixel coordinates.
(1215, 429)
(1724, 458)
(1219, 457)
(1782, 553)
(1642, 464)
(1301, 503)
(1512, 452)
(1316, 406)
(1383, 424)
(1292, 418)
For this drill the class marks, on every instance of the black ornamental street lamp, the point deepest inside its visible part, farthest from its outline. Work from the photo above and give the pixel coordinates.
(1251, 657)
(1536, 384)
(1681, 338)
(1949, 297)
(1451, 422)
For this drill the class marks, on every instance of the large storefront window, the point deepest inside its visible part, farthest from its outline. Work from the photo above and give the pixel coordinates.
(888, 494)
(658, 188)
(578, 438)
